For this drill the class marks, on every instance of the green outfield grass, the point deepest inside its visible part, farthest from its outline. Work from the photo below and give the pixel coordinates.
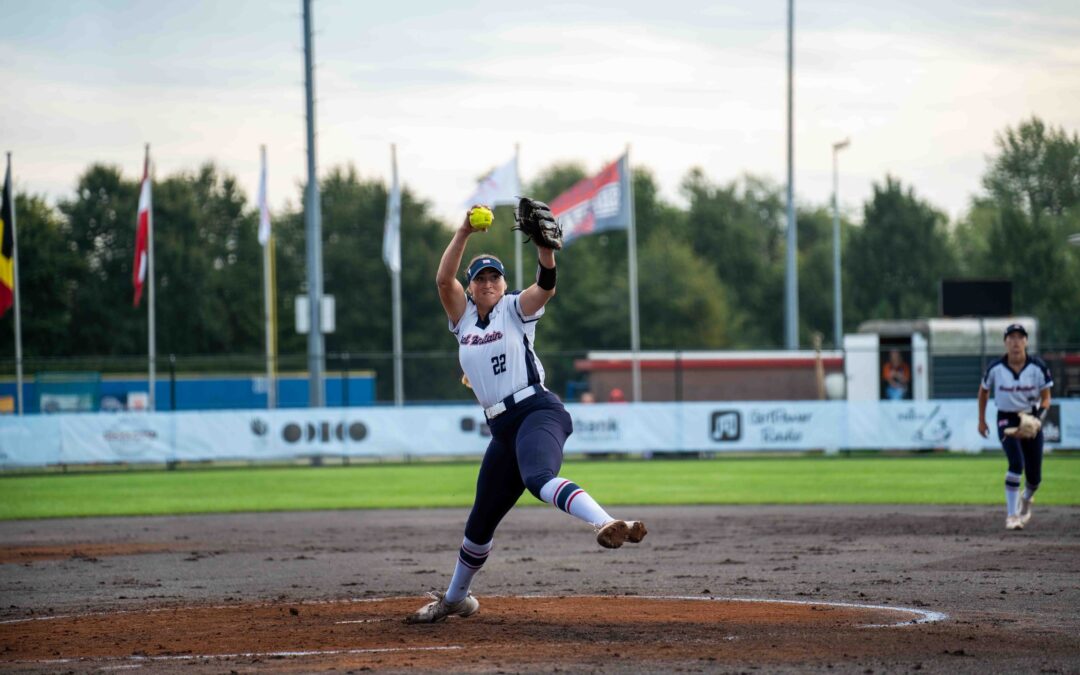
(778, 480)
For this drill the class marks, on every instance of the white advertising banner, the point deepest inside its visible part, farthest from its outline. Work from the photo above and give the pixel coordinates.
(85, 438)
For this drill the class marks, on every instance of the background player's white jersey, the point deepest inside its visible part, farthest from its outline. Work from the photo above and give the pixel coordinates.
(497, 355)
(1017, 391)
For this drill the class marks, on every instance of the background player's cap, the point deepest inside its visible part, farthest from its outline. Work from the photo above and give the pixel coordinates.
(1015, 328)
(485, 263)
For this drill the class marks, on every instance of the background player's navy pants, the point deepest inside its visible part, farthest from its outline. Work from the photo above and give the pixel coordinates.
(1025, 455)
(526, 451)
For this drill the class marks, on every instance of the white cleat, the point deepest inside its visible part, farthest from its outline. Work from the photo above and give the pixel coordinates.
(1025, 510)
(618, 532)
(439, 609)
(1013, 523)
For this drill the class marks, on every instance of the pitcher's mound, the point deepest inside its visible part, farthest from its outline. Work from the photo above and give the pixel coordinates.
(509, 633)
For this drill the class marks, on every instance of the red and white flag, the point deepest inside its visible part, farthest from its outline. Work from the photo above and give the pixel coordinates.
(597, 203)
(142, 234)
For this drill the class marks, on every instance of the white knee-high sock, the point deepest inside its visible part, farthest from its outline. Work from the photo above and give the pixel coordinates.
(1029, 491)
(471, 557)
(567, 496)
(1012, 493)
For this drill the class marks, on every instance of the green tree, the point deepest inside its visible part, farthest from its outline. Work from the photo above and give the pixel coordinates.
(896, 260)
(101, 221)
(816, 291)
(1019, 227)
(48, 273)
(737, 228)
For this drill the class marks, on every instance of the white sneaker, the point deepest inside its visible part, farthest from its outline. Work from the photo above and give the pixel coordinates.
(1013, 523)
(439, 609)
(617, 532)
(1025, 510)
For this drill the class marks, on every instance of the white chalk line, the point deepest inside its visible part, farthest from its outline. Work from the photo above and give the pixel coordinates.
(243, 655)
(924, 616)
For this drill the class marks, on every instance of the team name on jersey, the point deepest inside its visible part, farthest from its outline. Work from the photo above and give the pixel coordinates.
(1018, 387)
(487, 338)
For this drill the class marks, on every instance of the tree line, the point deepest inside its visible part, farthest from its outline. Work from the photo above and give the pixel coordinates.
(711, 272)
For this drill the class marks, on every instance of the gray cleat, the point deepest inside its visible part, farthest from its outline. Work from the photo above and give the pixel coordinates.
(439, 609)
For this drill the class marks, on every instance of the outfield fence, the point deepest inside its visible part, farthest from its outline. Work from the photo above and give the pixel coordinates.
(455, 430)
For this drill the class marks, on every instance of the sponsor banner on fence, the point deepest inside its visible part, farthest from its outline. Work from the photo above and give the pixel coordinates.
(40, 440)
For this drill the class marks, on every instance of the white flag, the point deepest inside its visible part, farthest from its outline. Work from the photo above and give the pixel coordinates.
(500, 186)
(264, 208)
(391, 249)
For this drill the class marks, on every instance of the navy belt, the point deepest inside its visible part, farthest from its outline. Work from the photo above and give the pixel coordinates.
(510, 401)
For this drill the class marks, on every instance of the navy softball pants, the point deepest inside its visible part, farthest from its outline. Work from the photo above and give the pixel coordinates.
(1025, 455)
(526, 451)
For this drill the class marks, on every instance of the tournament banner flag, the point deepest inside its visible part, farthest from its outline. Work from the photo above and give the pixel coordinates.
(500, 186)
(7, 245)
(596, 204)
(138, 271)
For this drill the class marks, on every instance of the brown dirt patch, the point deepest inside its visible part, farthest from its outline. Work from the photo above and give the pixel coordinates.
(514, 633)
(86, 551)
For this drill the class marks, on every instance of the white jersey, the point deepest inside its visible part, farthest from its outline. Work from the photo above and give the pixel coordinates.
(497, 355)
(1017, 391)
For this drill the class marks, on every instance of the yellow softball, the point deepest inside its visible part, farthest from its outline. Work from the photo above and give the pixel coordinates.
(481, 218)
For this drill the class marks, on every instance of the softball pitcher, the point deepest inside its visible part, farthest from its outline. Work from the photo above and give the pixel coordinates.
(495, 332)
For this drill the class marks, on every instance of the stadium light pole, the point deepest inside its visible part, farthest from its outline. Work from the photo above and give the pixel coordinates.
(313, 234)
(791, 282)
(838, 308)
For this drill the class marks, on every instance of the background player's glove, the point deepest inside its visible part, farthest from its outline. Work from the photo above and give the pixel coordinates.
(1028, 428)
(535, 220)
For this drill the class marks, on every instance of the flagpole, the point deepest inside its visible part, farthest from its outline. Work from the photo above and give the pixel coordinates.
(395, 279)
(268, 288)
(151, 333)
(517, 239)
(635, 330)
(15, 290)
(272, 245)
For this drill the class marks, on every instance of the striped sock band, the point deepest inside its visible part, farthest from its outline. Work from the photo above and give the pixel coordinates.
(471, 557)
(568, 496)
(1012, 493)
(565, 494)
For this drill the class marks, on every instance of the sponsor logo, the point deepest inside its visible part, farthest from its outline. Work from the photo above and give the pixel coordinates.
(779, 425)
(933, 426)
(313, 432)
(606, 429)
(470, 425)
(130, 437)
(725, 426)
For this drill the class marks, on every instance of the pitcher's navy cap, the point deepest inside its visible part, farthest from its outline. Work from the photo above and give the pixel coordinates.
(1015, 328)
(485, 263)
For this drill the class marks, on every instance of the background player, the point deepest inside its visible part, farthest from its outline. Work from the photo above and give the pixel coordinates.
(495, 331)
(1021, 383)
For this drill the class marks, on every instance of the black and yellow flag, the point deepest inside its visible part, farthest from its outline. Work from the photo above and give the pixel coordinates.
(7, 245)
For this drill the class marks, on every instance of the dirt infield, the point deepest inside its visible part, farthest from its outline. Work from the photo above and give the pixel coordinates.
(712, 589)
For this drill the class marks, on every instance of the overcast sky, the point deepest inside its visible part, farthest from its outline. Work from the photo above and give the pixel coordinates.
(921, 87)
